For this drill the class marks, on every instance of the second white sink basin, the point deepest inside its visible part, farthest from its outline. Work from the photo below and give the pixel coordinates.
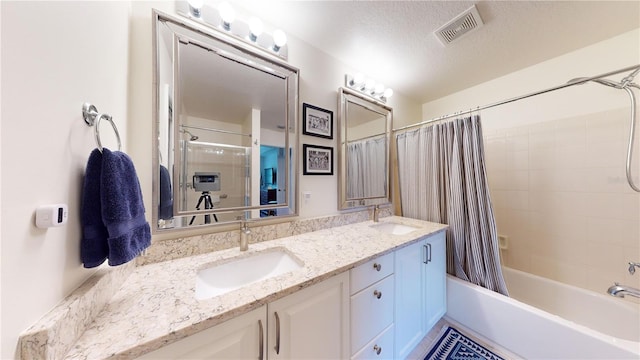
(228, 276)
(394, 228)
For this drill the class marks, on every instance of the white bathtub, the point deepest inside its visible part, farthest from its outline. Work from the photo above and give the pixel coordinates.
(537, 334)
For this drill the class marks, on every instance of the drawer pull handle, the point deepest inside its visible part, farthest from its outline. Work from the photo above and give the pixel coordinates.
(261, 341)
(277, 347)
(377, 294)
(377, 349)
(377, 266)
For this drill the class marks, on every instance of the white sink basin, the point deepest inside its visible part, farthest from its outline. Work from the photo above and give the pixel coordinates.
(394, 228)
(228, 276)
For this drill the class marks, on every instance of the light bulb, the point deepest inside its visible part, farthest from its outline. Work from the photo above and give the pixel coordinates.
(369, 85)
(358, 79)
(279, 40)
(255, 28)
(195, 7)
(227, 14)
(379, 89)
(388, 93)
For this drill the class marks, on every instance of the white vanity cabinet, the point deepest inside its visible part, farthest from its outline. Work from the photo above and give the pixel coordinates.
(243, 337)
(312, 323)
(372, 309)
(420, 291)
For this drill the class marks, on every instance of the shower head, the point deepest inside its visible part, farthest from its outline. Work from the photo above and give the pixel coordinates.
(193, 137)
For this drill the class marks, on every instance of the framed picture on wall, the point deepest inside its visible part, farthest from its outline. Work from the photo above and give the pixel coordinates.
(318, 160)
(317, 122)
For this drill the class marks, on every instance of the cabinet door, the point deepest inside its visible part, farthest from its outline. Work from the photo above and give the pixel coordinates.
(409, 309)
(436, 280)
(312, 323)
(238, 338)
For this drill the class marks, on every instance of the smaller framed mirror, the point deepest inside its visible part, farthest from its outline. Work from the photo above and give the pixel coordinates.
(364, 128)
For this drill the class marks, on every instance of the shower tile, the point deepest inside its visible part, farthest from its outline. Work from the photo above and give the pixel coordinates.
(613, 231)
(517, 180)
(606, 127)
(603, 256)
(542, 158)
(614, 206)
(543, 266)
(571, 180)
(497, 179)
(517, 160)
(607, 180)
(517, 142)
(542, 139)
(516, 200)
(542, 180)
(570, 132)
(572, 274)
(571, 156)
(607, 154)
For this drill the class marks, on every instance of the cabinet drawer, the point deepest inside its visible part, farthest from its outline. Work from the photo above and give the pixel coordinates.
(371, 312)
(379, 348)
(370, 272)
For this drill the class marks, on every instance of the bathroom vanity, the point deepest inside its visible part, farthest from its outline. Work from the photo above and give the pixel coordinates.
(356, 294)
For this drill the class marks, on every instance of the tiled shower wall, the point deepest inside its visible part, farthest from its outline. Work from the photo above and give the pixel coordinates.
(561, 198)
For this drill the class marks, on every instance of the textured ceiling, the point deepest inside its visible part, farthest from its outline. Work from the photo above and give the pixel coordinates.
(393, 41)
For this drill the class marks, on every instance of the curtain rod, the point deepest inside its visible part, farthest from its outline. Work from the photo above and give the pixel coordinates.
(571, 83)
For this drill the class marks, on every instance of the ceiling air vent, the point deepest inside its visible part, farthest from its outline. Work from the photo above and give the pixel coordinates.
(462, 24)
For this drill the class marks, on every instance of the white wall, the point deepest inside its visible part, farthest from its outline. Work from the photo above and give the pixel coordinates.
(555, 165)
(55, 57)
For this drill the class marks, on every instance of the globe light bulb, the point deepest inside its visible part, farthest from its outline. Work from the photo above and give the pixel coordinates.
(388, 93)
(228, 15)
(195, 8)
(379, 89)
(279, 40)
(358, 79)
(255, 28)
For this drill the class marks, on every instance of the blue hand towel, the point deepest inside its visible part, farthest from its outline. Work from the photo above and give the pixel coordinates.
(165, 207)
(94, 247)
(122, 208)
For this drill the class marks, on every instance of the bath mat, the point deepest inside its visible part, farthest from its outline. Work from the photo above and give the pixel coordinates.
(453, 345)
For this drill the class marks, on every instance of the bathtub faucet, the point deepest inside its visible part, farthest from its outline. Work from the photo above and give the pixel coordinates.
(620, 291)
(633, 266)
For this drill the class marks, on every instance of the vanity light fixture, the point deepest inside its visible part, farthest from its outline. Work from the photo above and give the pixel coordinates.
(251, 31)
(228, 15)
(368, 87)
(194, 8)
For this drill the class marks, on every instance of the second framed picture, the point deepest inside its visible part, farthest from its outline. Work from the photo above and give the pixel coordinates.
(318, 160)
(317, 122)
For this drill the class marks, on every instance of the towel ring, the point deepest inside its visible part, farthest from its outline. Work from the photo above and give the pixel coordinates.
(92, 118)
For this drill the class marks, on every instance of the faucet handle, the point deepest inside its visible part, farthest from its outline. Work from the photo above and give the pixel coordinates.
(632, 267)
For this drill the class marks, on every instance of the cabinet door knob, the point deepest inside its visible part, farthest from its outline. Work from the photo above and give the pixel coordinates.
(377, 266)
(377, 294)
(377, 349)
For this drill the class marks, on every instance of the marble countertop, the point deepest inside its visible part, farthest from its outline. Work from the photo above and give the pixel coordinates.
(156, 305)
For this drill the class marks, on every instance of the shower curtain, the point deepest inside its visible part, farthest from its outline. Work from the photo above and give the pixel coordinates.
(365, 167)
(443, 179)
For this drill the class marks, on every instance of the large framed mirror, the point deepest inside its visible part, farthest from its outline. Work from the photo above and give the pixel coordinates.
(225, 129)
(364, 132)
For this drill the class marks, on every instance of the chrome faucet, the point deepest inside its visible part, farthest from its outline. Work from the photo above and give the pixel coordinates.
(633, 266)
(620, 291)
(245, 233)
(376, 211)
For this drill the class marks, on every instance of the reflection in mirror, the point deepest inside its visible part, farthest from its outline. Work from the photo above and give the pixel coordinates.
(225, 129)
(365, 127)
